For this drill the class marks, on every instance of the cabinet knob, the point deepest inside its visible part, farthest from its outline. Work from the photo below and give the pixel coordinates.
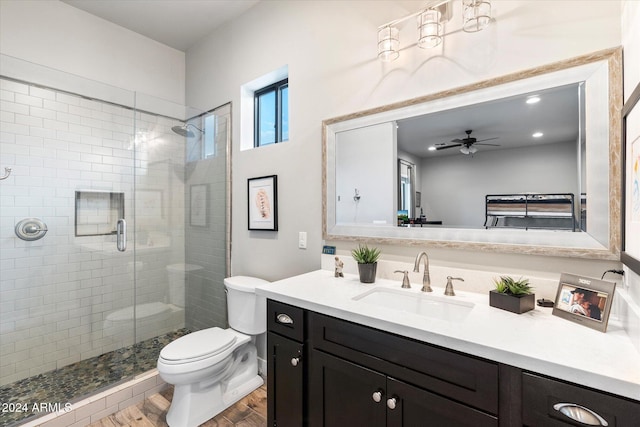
(377, 396)
(295, 361)
(580, 414)
(391, 403)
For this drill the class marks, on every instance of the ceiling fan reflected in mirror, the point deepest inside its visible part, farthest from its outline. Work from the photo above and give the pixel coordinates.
(467, 145)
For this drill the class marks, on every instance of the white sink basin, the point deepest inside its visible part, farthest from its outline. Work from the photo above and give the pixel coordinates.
(429, 305)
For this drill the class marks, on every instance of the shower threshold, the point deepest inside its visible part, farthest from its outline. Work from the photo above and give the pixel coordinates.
(50, 391)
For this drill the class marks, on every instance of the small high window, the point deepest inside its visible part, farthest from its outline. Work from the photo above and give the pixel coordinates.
(272, 114)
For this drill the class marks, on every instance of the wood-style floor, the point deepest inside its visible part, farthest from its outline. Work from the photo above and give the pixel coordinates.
(248, 412)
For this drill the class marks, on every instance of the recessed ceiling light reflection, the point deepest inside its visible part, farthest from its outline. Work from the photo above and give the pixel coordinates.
(533, 99)
(432, 148)
(537, 135)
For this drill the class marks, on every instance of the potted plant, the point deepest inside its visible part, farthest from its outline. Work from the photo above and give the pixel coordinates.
(367, 259)
(512, 295)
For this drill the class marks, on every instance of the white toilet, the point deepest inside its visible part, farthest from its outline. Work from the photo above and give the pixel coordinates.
(213, 368)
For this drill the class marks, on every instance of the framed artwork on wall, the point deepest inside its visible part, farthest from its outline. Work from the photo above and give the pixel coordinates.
(198, 205)
(630, 255)
(262, 194)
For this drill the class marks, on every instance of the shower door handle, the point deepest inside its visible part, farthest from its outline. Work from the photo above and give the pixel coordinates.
(121, 235)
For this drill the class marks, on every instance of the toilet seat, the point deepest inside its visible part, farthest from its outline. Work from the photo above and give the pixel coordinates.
(199, 345)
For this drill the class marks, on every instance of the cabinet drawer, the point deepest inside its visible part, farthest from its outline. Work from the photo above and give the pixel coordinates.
(459, 377)
(541, 396)
(285, 320)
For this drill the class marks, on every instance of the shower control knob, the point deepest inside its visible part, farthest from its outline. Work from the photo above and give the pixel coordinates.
(30, 229)
(295, 361)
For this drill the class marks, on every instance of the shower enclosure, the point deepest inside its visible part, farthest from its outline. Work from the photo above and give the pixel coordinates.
(113, 232)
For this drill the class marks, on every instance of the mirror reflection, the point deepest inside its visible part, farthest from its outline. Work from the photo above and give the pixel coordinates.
(512, 162)
(528, 160)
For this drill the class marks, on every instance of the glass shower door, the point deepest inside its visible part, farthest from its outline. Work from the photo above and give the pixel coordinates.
(159, 228)
(62, 278)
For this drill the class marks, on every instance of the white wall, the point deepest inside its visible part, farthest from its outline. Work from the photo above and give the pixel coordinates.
(631, 44)
(359, 151)
(330, 49)
(59, 36)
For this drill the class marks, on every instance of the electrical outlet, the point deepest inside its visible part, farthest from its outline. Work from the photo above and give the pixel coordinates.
(302, 240)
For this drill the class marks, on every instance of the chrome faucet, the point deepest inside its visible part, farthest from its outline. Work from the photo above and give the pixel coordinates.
(449, 289)
(426, 278)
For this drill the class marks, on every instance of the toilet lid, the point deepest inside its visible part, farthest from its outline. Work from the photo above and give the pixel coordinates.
(199, 345)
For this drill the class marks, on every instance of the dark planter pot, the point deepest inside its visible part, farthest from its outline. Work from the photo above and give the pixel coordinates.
(367, 272)
(512, 303)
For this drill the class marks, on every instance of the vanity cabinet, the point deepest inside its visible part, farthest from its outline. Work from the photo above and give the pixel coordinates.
(286, 365)
(363, 376)
(555, 403)
(348, 394)
(329, 372)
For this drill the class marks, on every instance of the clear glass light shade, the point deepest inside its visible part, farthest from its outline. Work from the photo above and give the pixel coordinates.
(388, 44)
(429, 29)
(476, 15)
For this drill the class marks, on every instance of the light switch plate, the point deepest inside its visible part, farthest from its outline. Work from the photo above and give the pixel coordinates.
(302, 240)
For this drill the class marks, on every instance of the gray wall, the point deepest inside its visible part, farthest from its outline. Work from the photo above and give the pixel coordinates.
(454, 187)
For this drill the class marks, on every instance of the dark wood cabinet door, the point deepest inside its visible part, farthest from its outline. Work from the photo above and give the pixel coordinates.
(415, 407)
(345, 394)
(457, 376)
(285, 382)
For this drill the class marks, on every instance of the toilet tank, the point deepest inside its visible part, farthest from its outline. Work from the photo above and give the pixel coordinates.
(246, 311)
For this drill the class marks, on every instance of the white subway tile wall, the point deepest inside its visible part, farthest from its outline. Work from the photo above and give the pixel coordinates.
(65, 298)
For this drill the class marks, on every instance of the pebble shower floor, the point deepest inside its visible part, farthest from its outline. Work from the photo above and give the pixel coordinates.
(50, 391)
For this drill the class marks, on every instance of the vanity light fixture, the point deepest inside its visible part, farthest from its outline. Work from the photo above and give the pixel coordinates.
(476, 15)
(429, 28)
(431, 20)
(388, 43)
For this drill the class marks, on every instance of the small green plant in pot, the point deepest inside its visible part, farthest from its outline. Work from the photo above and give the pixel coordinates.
(367, 259)
(512, 295)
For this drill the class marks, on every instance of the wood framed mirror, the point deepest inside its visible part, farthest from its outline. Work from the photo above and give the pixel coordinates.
(361, 151)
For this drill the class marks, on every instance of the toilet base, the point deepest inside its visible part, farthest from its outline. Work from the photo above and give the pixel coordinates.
(193, 404)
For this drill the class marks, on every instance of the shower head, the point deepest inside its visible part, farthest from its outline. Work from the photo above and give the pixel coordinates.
(184, 130)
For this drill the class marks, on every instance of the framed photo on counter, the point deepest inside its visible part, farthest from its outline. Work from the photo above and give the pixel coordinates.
(584, 300)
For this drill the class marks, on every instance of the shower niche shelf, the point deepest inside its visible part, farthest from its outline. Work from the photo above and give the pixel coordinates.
(97, 212)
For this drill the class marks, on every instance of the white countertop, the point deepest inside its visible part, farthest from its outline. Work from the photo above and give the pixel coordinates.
(536, 341)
